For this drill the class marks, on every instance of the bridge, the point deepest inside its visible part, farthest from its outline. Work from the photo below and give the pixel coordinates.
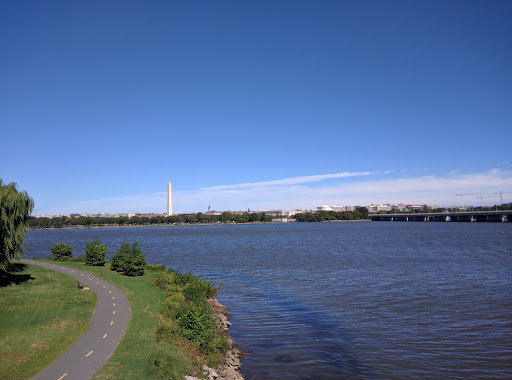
(467, 216)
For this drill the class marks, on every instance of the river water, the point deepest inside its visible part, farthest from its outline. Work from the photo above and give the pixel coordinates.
(352, 300)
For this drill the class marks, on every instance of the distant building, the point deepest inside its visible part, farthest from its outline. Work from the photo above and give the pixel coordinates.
(334, 208)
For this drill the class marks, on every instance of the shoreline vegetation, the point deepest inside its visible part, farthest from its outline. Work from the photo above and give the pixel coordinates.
(360, 213)
(177, 329)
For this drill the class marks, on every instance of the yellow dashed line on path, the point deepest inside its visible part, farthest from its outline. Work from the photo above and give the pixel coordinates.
(110, 292)
(111, 323)
(113, 298)
(97, 283)
(90, 278)
(104, 336)
(72, 271)
(113, 312)
(62, 376)
(103, 287)
(81, 275)
(114, 304)
(90, 352)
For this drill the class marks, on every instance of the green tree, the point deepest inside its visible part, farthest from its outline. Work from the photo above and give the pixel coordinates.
(117, 262)
(61, 252)
(363, 211)
(15, 209)
(136, 261)
(130, 260)
(95, 253)
(122, 220)
(226, 216)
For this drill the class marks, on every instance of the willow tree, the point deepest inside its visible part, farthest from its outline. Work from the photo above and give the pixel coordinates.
(15, 209)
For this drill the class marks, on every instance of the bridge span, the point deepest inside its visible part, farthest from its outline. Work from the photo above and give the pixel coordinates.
(467, 216)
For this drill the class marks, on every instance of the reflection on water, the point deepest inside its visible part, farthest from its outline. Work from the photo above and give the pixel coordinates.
(346, 300)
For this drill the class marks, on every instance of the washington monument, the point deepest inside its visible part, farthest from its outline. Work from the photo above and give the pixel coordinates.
(169, 199)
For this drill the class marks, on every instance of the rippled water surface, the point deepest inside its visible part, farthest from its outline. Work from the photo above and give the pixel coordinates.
(366, 300)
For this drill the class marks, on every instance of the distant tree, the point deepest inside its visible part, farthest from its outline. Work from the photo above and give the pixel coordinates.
(57, 223)
(95, 253)
(190, 219)
(15, 209)
(226, 216)
(61, 252)
(363, 211)
(202, 218)
(122, 220)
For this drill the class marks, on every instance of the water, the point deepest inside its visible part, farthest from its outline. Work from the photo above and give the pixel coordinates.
(365, 300)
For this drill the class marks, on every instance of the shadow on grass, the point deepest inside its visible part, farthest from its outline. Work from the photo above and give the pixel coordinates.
(12, 275)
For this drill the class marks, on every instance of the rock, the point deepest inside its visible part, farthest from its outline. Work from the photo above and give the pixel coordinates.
(212, 375)
(230, 368)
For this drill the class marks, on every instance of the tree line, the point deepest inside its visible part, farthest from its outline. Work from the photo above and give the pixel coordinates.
(322, 216)
(89, 221)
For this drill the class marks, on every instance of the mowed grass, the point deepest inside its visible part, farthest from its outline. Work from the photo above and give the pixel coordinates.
(139, 355)
(42, 313)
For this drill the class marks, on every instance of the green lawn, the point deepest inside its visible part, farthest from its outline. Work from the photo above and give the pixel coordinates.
(42, 313)
(138, 350)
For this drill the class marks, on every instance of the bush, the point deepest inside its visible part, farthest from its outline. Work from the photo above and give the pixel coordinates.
(62, 252)
(117, 262)
(95, 253)
(196, 322)
(155, 267)
(78, 259)
(130, 260)
(186, 315)
(136, 262)
(199, 290)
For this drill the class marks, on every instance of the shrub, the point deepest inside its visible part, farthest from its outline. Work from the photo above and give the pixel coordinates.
(62, 252)
(164, 279)
(136, 261)
(78, 259)
(187, 316)
(95, 253)
(117, 262)
(196, 322)
(199, 290)
(155, 267)
(130, 260)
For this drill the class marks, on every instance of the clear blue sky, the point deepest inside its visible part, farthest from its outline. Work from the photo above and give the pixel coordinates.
(255, 104)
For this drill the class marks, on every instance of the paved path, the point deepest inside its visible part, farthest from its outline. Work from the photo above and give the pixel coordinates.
(92, 350)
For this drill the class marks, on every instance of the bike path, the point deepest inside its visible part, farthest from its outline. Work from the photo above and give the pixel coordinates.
(92, 350)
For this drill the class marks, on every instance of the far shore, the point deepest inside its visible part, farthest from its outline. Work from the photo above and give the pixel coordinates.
(183, 224)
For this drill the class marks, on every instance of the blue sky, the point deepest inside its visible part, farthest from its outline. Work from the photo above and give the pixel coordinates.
(267, 104)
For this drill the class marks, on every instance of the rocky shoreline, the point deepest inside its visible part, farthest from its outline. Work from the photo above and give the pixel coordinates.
(231, 365)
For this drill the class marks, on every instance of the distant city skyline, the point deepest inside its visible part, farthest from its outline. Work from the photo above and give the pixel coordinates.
(255, 105)
(455, 189)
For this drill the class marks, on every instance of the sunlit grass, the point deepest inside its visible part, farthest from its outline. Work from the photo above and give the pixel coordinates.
(42, 313)
(139, 351)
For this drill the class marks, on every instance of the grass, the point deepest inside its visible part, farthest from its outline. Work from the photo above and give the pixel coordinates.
(139, 355)
(42, 313)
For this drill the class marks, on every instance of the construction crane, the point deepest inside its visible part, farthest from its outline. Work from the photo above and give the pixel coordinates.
(501, 196)
(491, 196)
(463, 195)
